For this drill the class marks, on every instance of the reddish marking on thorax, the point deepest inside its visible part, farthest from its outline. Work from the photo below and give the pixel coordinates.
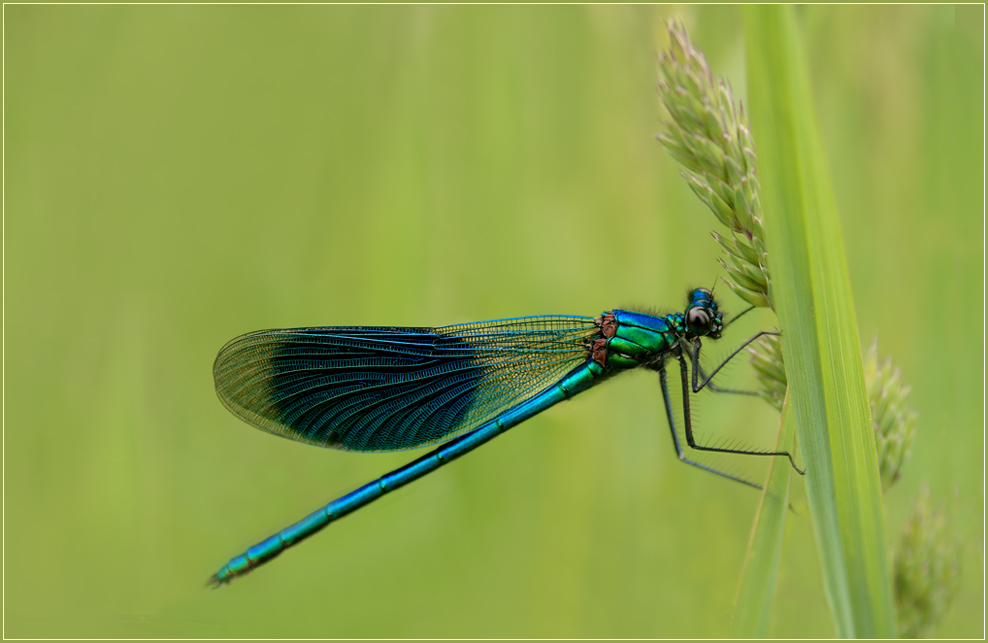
(608, 328)
(599, 351)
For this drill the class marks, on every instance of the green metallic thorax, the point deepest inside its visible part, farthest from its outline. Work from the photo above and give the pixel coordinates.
(632, 339)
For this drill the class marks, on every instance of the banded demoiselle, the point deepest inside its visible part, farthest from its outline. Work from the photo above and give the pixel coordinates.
(389, 389)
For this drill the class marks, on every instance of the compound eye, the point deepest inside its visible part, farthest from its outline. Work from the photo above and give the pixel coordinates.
(698, 320)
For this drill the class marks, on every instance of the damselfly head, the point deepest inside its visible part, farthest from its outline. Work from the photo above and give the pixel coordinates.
(702, 317)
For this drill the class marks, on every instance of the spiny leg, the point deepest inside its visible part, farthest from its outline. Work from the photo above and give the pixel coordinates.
(689, 433)
(708, 380)
(713, 387)
(686, 413)
(698, 372)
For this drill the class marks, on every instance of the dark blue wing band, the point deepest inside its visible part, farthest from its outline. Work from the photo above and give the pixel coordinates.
(386, 389)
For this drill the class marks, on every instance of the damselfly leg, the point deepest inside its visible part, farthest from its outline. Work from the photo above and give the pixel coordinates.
(663, 380)
(696, 385)
(698, 370)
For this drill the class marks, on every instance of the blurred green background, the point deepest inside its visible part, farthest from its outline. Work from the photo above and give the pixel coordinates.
(176, 176)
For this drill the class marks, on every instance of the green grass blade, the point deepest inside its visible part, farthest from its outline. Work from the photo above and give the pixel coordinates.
(753, 605)
(812, 294)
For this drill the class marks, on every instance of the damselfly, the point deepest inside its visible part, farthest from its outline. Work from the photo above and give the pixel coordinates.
(388, 389)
